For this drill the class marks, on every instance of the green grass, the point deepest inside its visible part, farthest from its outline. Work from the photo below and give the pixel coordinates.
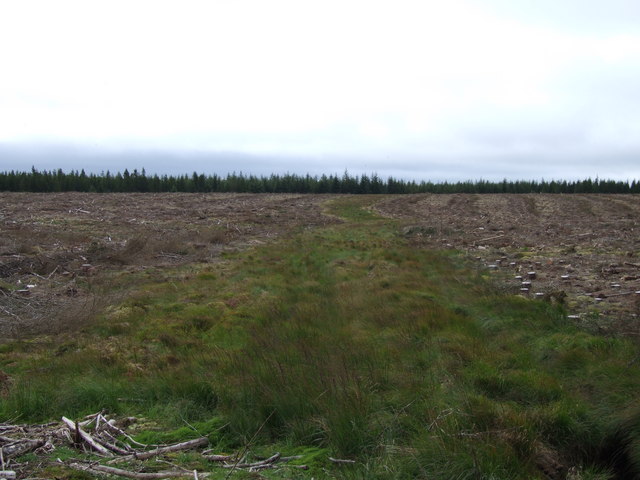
(349, 342)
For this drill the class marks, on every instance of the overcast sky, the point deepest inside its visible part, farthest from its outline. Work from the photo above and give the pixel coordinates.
(447, 89)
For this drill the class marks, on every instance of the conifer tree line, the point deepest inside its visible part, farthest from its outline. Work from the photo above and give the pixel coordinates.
(79, 181)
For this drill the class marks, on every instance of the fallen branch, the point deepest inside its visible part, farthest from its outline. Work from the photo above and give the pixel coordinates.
(7, 474)
(198, 442)
(86, 437)
(339, 460)
(88, 419)
(489, 238)
(620, 294)
(97, 469)
(114, 448)
(20, 447)
(262, 463)
(218, 458)
(174, 256)
(288, 459)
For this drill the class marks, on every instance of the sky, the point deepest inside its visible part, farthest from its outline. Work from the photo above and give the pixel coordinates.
(424, 90)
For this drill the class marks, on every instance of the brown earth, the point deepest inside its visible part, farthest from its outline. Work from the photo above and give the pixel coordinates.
(58, 251)
(584, 249)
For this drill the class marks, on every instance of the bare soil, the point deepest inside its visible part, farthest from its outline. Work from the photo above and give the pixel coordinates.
(57, 249)
(584, 249)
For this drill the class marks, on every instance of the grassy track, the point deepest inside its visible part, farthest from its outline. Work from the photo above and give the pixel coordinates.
(351, 343)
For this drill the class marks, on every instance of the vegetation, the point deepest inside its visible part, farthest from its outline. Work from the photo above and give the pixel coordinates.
(346, 341)
(59, 181)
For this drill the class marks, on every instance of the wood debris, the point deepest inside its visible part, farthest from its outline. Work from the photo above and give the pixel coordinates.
(106, 443)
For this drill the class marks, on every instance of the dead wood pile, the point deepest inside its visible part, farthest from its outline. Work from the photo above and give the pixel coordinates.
(104, 443)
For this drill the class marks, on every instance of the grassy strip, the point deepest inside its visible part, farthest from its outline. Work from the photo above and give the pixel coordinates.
(348, 340)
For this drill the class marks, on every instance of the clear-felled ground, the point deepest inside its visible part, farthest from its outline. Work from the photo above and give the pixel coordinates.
(55, 248)
(309, 325)
(586, 247)
(58, 250)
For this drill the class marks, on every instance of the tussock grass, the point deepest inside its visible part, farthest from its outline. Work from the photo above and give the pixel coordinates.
(353, 343)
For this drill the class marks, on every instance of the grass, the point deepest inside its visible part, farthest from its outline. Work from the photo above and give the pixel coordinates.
(353, 344)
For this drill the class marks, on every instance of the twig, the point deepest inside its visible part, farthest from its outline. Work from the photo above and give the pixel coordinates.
(443, 414)
(122, 432)
(246, 447)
